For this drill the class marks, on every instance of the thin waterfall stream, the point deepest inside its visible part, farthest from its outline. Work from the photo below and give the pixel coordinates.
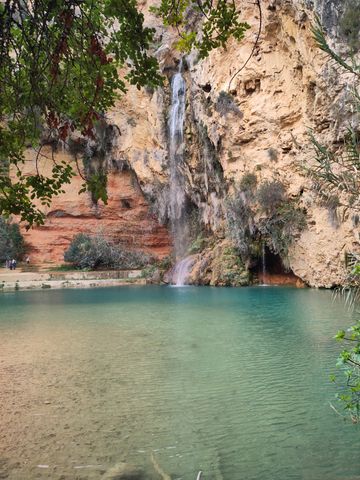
(263, 264)
(181, 271)
(177, 201)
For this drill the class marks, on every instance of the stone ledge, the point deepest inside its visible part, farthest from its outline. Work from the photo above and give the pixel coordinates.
(12, 281)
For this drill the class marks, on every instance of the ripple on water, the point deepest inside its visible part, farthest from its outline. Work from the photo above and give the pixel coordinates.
(232, 382)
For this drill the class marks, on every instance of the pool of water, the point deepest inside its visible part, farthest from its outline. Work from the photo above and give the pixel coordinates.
(233, 382)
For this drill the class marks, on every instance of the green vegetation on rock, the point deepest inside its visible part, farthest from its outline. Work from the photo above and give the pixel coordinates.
(229, 269)
(225, 103)
(220, 265)
(197, 245)
(248, 182)
(282, 227)
(265, 215)
(271, 195)
(350, 24)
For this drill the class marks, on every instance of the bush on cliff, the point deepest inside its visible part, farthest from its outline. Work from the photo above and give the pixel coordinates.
(350, 24)
(240, 224)
(271, 195)
(225, 103)
(248, 183)
(267, 215)
(93, 252)
(11, 241)
(281, 227)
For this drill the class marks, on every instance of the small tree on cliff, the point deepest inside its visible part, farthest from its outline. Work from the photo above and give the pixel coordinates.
(59, 72)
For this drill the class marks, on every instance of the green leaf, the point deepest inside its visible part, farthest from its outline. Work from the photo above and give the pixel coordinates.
(340, 335)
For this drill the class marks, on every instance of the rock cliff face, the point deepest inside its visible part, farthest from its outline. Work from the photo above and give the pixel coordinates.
(241, 118)
(126, 218)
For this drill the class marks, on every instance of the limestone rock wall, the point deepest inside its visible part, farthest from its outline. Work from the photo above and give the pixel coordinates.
(287, 87)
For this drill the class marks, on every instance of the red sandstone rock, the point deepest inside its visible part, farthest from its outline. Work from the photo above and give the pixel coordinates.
(281, 279)
(126, 220)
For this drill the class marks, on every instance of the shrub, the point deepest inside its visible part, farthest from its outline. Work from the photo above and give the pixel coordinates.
(332, 202)
(270, 195)
(240, 224)
(11, 241)
(165, 263)
(134, 259)
(350, 24)
(273, 154)
(155, 272)
(281, 228)
(149, 271)
(131, 121)
(225, 103)
(197, 245)
(248, 182)
(88, 252)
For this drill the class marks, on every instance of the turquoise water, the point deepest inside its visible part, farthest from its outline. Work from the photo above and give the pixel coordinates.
(233, 382)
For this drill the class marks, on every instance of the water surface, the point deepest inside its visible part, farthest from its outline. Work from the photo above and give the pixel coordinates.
(233, 382)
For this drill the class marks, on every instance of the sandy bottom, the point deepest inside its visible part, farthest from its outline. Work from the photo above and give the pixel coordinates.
(69, 408)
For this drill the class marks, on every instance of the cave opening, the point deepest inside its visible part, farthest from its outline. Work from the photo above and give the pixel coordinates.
(271, 263)
(270, 269)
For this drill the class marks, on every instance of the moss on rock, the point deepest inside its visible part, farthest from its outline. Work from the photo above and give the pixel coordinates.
(220, 266)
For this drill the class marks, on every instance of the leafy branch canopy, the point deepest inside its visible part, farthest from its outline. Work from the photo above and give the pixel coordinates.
(221, 21)
(60, 64)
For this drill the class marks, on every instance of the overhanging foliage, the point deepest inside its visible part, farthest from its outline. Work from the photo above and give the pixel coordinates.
(60, 72)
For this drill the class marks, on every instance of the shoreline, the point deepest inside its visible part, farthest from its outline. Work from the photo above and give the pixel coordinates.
(56, 280)
(11, 280)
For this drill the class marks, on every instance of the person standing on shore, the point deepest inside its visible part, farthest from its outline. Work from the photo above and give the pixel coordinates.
(13, 264)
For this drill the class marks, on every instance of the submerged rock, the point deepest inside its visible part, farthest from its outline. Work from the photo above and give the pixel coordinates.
(124, 471)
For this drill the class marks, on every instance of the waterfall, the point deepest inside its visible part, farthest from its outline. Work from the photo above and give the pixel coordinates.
(181, 271)
(177, 200)
(263, 260)
(263, 263)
